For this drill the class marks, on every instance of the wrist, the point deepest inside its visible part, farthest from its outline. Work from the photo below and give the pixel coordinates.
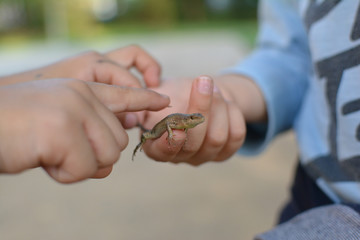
(19, 78)
(244, 92)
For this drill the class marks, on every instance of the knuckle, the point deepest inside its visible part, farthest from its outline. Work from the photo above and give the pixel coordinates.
(238, 134)
(43, 147)
(203, 106)
(86, 172)
(112, 155)
(238, 127)
(124, 142)
(61, 119)
(43, 151)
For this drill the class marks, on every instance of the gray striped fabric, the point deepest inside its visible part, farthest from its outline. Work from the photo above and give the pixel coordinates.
(334, 222)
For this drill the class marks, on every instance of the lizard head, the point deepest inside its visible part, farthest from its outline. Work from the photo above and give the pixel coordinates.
(194, 119)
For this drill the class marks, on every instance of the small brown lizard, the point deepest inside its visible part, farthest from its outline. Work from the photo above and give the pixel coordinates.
(172, 121)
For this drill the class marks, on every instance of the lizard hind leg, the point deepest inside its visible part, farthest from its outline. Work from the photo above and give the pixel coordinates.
(137, 147)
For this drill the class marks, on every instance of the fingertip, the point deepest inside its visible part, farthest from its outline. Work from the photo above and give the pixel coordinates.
(103, 172)
(163, 102)
(201, 95)
(62, 175)
(157, 102)
(204, 85)
(152, 76)
(165, 96)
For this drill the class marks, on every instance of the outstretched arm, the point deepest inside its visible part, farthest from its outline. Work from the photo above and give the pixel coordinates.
(258, 98)
(111, 68)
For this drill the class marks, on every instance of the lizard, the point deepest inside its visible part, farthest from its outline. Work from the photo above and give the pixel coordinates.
(172, 121)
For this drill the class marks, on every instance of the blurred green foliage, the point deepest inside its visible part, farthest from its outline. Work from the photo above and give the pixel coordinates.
(162, 11)
(77, 18)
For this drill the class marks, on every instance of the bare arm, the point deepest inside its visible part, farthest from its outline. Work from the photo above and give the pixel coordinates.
(110, 68)
(245, 94)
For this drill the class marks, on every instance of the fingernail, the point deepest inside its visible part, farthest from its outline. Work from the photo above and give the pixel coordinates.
(204, 85)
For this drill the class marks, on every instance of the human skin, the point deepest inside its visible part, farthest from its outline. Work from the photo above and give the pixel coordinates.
(228, 102)
(59, 118)
(111, 68)
(67, 126)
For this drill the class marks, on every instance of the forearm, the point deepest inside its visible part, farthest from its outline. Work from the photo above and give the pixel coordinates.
(20, 77)
(245, 94)
(110, 68)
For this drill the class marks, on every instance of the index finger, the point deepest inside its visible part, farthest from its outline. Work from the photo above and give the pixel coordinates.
(126, 99)
(135, 56)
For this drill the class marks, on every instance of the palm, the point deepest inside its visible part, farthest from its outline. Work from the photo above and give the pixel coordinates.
(179, 92)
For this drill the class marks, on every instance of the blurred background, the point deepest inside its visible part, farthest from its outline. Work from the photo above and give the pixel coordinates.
(143, 199)
(68, 20)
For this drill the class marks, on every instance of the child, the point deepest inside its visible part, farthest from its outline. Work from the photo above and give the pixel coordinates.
(304, 74)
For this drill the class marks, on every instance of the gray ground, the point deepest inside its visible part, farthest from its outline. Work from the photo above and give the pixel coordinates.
(144, 199)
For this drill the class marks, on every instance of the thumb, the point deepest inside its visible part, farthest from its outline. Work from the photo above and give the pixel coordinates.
(200, 102)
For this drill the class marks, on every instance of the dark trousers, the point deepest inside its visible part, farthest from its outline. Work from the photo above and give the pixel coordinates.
(305, 194)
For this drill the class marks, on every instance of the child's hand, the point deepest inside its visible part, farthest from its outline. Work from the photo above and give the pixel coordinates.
(111, 68)
(66, 126)
(219, 137)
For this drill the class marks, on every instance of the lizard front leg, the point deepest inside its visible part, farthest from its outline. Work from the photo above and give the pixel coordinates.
(170, 132)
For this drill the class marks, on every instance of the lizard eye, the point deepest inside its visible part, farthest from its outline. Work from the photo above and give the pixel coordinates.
(191, 117)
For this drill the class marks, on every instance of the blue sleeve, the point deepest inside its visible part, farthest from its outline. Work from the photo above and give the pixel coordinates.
(280, 65)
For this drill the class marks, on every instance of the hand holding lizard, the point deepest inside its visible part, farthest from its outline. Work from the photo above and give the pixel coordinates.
(216, 139)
